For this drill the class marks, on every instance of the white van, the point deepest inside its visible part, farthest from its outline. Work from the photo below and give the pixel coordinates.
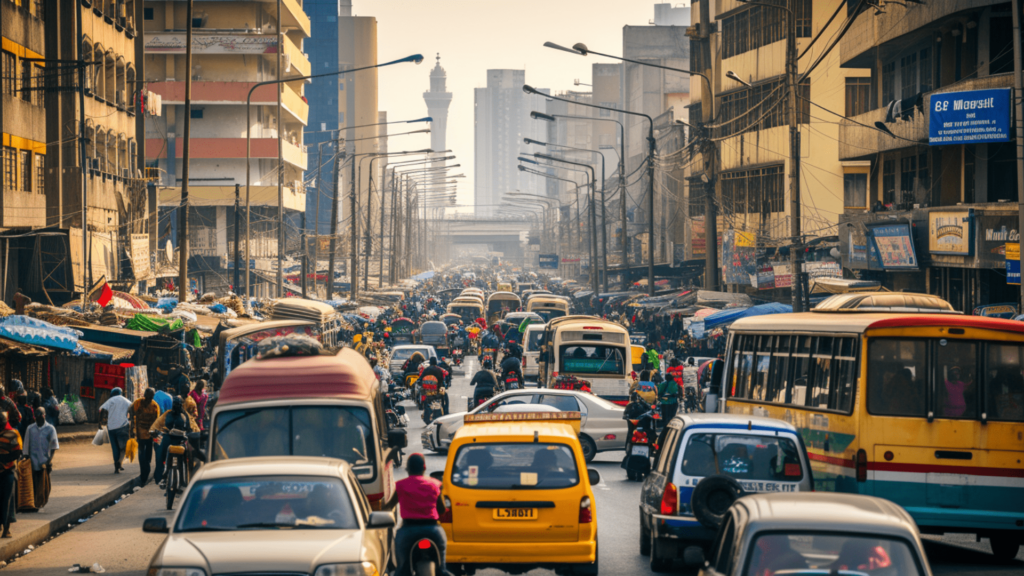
(531, 352)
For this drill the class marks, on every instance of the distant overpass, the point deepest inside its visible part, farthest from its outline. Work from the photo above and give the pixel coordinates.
(499, 235)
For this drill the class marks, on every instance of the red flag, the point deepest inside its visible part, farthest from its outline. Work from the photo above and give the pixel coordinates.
(105, 295)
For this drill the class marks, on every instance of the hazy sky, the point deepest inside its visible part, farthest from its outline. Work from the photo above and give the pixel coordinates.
(474, 36)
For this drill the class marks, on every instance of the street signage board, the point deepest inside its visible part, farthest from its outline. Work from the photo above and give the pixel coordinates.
(972, 117)
(895, 245)
(547, 261)
(949, 232)
(1013, 262)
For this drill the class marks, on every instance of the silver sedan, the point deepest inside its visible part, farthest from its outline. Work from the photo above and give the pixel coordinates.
(603, 428)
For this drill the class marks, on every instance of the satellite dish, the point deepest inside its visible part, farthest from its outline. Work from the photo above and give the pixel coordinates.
(169, 251)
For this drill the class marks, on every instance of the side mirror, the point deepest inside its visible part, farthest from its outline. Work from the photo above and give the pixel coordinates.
(437, 475)
(397, 438)
(380, 520)
(155, 525)
(693, 556)
(593, 476)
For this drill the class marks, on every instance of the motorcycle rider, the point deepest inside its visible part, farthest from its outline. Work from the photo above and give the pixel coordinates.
(483, 383)
(175, 418)
(488, 339)
(421, 506)
(513, 362)
(412, 365)
(444, 365)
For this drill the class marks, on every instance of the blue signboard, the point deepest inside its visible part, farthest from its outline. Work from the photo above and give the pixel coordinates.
(974, 117)
(549, 261)
(894, 244)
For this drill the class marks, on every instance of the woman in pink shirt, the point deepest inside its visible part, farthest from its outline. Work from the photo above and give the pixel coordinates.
(421, 506)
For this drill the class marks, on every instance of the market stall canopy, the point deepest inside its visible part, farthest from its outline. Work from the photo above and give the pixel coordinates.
(300, 309)
(729, 316)
(424, 276)
(39, 333)
(8, 346)
(106, 353)
(721, 299)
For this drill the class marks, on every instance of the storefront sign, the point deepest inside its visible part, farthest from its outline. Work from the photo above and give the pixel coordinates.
(974, 117)
(994, 233)
(548, 261)
(823, 270)
(739, 257)
(140, 257)
(1013, 262)
(950, 232)
(783, 275)
(895, 245)
(765, 277)
(1005, 311)
(174, 43)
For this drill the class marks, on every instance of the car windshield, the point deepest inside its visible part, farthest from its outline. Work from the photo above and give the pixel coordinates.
(807, 554)
(268, 503)
(744, 457)
(591, 359)
(515, 466)
(342, 432)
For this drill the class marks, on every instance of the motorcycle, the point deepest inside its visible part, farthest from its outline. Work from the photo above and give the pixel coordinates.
(488, 354)
(511, 380)
(179, 463)
(691, 403)
(642, 446)
(457, 355)
(394, 413)
(430, 399)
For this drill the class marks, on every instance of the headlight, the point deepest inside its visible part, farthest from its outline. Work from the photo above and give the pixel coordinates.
(177, 572)
(353, 569)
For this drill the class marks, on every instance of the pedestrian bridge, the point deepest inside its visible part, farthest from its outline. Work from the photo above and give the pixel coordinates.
(481, 230)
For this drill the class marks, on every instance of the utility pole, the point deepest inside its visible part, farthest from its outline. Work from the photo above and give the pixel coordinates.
(795, 251)
(237, 211)
(710, 154)
(380, 265)
(280, 162)
(305, 258)
(334, 217)
(316, 220)
(1018, 79)
(83, 159)
(183, 214)
(353, 273)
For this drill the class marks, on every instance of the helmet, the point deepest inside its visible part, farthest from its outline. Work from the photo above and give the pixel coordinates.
(488, 364)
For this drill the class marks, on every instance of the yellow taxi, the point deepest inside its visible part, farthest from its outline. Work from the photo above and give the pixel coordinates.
(519, 495)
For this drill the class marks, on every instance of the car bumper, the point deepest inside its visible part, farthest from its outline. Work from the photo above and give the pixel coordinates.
(680, 528)
(532, 553)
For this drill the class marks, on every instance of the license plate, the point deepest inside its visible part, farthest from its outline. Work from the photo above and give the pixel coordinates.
(644, 451)
(515, 513)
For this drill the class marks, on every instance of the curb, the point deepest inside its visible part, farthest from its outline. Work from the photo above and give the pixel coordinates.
(14, 546)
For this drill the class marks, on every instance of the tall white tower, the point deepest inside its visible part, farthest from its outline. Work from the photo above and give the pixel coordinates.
(438, 99)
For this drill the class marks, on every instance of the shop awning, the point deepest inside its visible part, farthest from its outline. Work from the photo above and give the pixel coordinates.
(729, 316)
(106, 353)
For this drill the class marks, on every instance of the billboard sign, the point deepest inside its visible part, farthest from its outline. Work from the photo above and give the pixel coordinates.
(973, 117)
(547, 261)
(174, 43)
(950, 232)
(895, 245)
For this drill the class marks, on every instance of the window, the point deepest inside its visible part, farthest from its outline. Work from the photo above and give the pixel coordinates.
(925, 71)
(908, 75)
(888, 82)
(1004, 384)
(563, 402)
(724, 548)
(9, 74)
(10, 169)
(855, 191)
(95, 70)
(811, 553)
(897, 377)
(889, 181)
(764, 104)
(955, 382)
(593, 359)
(760, 26)
(908, 175)
(25, 174)
(514, 466)
(109, 78)
(147, 13)
(40, 173)
(923, 178)
(196, 114)
(858, 96)
(742, 456)
(87, 59)
(757, 191)
(26, 81)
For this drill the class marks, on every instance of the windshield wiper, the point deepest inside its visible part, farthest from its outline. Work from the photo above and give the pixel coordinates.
(266, 525)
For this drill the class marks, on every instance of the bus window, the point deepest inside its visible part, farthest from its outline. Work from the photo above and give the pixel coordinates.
(896, 377)
(801, 370)
(591, 359)
(956, 369)
(1004, 386)
(819, 386)
(742, 366)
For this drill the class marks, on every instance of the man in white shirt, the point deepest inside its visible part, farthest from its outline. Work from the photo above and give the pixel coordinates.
(40, 445)
(114, 413)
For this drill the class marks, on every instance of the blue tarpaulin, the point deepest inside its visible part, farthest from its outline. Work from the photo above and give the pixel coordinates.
(733, 314)
(422, 276)
(40, 333)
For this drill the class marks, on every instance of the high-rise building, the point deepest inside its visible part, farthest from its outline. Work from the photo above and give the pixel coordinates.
(502, 120)
(438, 99)
(234, 46)
(323, 95)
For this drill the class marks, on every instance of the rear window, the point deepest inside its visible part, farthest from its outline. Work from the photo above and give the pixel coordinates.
(404, 354)
(515, 466)
(743, 457)
(344, 432)
(591, 359)
(548, 313)
(533, 340)
(830, 553)
(434, 329)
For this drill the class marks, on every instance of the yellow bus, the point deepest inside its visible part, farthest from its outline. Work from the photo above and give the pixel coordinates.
(501, 303)
(591, 349)
(924, 409)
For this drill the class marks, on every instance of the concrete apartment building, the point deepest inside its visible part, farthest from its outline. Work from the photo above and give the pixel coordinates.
(752, 186)
(501, 121)
(937, 199)
(321, 130)
(235, 44)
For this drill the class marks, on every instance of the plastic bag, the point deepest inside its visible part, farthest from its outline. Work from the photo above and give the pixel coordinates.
(77, 410)
(101, 437)
(131, 449)
(66, 418)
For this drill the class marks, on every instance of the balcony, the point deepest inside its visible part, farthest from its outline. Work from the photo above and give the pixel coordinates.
(292, 17)
(220, 43)
(858, 142)
(228, 148)
(294, 200)
(232, 93)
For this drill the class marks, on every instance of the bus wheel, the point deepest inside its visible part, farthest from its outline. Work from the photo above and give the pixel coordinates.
(1004, 547)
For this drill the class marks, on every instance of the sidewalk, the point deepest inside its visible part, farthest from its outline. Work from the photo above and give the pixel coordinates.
(83, 482)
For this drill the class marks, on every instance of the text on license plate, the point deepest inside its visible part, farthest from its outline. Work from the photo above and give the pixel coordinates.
(641, 450)
(515, 513)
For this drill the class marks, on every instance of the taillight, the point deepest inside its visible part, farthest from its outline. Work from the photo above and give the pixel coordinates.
(446, 518)
(670, 499)
(586, 512)
(862, 466)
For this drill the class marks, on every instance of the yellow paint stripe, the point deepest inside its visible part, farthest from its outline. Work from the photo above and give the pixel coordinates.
(19, 50)
(24, 143)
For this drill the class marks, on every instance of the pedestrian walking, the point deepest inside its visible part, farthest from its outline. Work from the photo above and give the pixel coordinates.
(10, 452)
(7, 406)
(27, 415)
(199, 396)
(164, 399)
(41, 445)
(668, 398)
(114, 413)
(145, 411)
(51, 406)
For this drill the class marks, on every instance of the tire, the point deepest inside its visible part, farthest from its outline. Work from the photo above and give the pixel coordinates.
(172, 486)
(1005, 548)
(424, 568)
(658, 562)
(589, 448)
(712, 498)
(645, 540)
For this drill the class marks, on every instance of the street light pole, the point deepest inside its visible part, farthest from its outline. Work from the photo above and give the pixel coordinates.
(567, 206)
(593, 214)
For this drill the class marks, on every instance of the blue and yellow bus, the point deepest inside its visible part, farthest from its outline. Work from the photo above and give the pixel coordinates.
(924, 409)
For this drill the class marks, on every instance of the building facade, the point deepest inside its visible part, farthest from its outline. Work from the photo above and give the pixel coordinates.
(322, 94)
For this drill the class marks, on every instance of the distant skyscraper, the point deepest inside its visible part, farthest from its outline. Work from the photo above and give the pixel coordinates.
(322, 94)
(438, 99)
(502, 120)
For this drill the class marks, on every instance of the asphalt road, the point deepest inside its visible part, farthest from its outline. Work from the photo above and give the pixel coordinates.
(115, 540)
